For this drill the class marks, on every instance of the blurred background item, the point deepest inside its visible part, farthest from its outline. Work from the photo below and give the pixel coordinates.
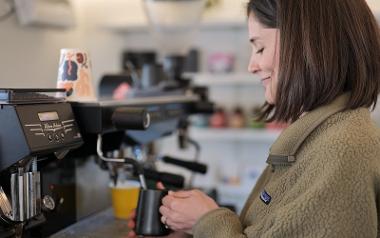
(237, 118)
(219, 119)
(276, 125)
(56, 13)
(254, 121)
(124, 197)
(221, 62)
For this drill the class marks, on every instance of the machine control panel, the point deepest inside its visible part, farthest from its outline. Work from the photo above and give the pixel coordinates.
(52, 130)
(48, 126)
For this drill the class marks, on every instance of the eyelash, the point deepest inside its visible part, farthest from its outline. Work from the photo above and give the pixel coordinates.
(260, 51)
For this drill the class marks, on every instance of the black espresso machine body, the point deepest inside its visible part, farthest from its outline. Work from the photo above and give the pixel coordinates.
(34, 127)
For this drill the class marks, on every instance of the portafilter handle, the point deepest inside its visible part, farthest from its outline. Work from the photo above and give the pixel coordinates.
(175, 180)
(190, 165)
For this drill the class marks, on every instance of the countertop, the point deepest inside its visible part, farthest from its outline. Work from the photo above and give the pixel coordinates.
(99, 225)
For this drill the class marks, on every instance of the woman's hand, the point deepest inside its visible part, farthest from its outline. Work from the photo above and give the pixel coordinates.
(181, 210)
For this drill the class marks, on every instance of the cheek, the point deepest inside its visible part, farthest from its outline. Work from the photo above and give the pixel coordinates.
(276, 64)
(271, 65)
(267, 62)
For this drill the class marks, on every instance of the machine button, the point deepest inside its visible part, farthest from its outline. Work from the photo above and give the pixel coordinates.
(62, 135)
(48, 203)
(57, 137)
(50, 137)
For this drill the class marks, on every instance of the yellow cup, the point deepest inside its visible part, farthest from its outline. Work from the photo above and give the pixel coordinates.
(124, 198)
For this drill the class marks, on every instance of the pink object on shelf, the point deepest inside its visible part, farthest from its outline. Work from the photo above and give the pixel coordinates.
(218, 119)
(276, 125)
(221, 62)
(121, 91)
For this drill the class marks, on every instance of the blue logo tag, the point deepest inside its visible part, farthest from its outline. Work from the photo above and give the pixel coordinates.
(265, 197)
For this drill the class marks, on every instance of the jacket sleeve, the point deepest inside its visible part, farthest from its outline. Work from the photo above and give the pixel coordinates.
(219, 223)
(222, 222)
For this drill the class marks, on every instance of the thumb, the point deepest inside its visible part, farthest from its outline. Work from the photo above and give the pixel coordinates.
(160, 185)
(181, 194)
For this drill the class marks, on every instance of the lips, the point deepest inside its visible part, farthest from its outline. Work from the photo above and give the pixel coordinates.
(263, 81)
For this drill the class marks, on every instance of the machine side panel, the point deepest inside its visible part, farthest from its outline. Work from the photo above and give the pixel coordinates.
(13, 145)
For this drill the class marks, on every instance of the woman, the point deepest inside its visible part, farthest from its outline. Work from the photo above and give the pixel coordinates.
(319, 61)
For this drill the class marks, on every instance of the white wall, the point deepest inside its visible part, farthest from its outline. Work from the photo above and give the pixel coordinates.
(30, 54)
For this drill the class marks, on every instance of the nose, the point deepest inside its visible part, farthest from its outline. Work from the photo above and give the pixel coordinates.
(253, 66)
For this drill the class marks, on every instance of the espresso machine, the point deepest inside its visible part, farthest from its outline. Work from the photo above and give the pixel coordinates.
(147, 113)
(39, 129)
(167, 96)
(35, 127)
(136, 122)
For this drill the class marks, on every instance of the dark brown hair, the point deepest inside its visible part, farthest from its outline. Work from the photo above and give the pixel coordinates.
(327, 47)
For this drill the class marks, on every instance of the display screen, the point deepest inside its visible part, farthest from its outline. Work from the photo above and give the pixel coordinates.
(48, 116)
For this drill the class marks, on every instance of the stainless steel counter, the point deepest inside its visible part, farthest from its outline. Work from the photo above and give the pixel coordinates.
(100, 225)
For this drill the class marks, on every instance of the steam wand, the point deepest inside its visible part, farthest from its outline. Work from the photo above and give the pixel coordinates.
(196, 158)
(184, 140)
(136, 166)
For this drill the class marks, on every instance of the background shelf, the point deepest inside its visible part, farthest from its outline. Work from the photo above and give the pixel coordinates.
(229, 134)
(123, 27)
(226, 79)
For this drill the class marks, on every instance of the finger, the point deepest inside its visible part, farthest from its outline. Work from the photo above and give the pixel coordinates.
(167, 201)
(163, 219)
(164, 211)
(131, 224)
(174, 216)
(181, 194)
(131, 234)
(160, 185)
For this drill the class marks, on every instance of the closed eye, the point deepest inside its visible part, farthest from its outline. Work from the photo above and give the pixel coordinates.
(260, 51)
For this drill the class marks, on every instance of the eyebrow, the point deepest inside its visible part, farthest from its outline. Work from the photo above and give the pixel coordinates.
(253, 39)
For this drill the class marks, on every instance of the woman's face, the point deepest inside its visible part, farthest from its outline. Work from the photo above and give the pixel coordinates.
(265, 56)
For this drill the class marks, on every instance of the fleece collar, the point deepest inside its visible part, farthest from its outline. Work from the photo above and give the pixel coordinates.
(284, 149)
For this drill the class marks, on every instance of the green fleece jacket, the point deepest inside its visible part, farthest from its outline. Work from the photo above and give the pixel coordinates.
(322, 180)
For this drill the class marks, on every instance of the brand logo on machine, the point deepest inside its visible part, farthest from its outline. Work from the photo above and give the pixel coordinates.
(265, 197)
